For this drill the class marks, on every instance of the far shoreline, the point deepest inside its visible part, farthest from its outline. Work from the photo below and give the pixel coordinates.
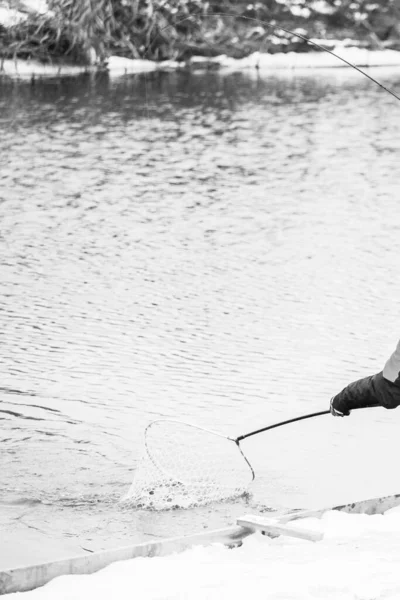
(117, 66)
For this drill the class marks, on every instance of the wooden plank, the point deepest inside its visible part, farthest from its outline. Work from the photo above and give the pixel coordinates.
(273, 528)
(22, 579)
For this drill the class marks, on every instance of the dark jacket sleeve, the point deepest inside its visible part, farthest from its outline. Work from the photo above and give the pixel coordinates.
(370, 391)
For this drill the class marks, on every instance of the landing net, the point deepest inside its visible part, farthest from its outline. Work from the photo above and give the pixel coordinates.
(185, 466)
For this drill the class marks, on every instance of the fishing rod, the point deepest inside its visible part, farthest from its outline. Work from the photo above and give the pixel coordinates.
(288, 31)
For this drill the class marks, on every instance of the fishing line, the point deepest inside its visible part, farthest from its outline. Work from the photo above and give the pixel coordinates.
(274, 27)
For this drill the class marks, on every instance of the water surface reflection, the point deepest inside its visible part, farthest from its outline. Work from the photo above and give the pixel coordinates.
(221, 249)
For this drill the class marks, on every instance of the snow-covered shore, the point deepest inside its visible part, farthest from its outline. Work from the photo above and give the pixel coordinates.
(119, 66)
(356, 560)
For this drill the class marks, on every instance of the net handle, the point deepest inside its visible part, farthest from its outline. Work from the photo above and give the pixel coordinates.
(309, 416)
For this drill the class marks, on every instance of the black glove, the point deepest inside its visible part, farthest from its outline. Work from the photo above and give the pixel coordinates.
(336, 412)
(364, 393)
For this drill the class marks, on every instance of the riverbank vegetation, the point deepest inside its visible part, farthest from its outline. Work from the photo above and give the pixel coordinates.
(87, 31)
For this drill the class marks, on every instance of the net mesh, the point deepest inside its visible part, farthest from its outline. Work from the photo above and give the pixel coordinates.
(184, 466)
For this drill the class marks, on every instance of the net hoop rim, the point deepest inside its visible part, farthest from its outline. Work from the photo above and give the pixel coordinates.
(216, 433)
(177, 421)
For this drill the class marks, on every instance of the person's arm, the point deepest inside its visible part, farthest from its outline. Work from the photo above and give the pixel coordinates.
(391, 370)
(382, 389)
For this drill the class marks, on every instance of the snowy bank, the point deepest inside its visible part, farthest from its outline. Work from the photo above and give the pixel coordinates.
(356, 560)
(118, 66)
(13, 16)
(315, 60)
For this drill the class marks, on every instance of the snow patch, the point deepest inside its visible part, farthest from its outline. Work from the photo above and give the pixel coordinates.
(36, 6)
(10, 17)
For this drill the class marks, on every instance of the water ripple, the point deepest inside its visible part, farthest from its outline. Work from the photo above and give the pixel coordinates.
(226, 254)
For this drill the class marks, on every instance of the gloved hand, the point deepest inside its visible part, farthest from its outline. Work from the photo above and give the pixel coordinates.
(374, 390)
(335, 412)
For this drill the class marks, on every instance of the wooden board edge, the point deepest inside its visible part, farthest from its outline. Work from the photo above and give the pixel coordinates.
(27, 578)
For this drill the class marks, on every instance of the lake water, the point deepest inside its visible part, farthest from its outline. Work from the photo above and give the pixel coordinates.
(222, 249)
